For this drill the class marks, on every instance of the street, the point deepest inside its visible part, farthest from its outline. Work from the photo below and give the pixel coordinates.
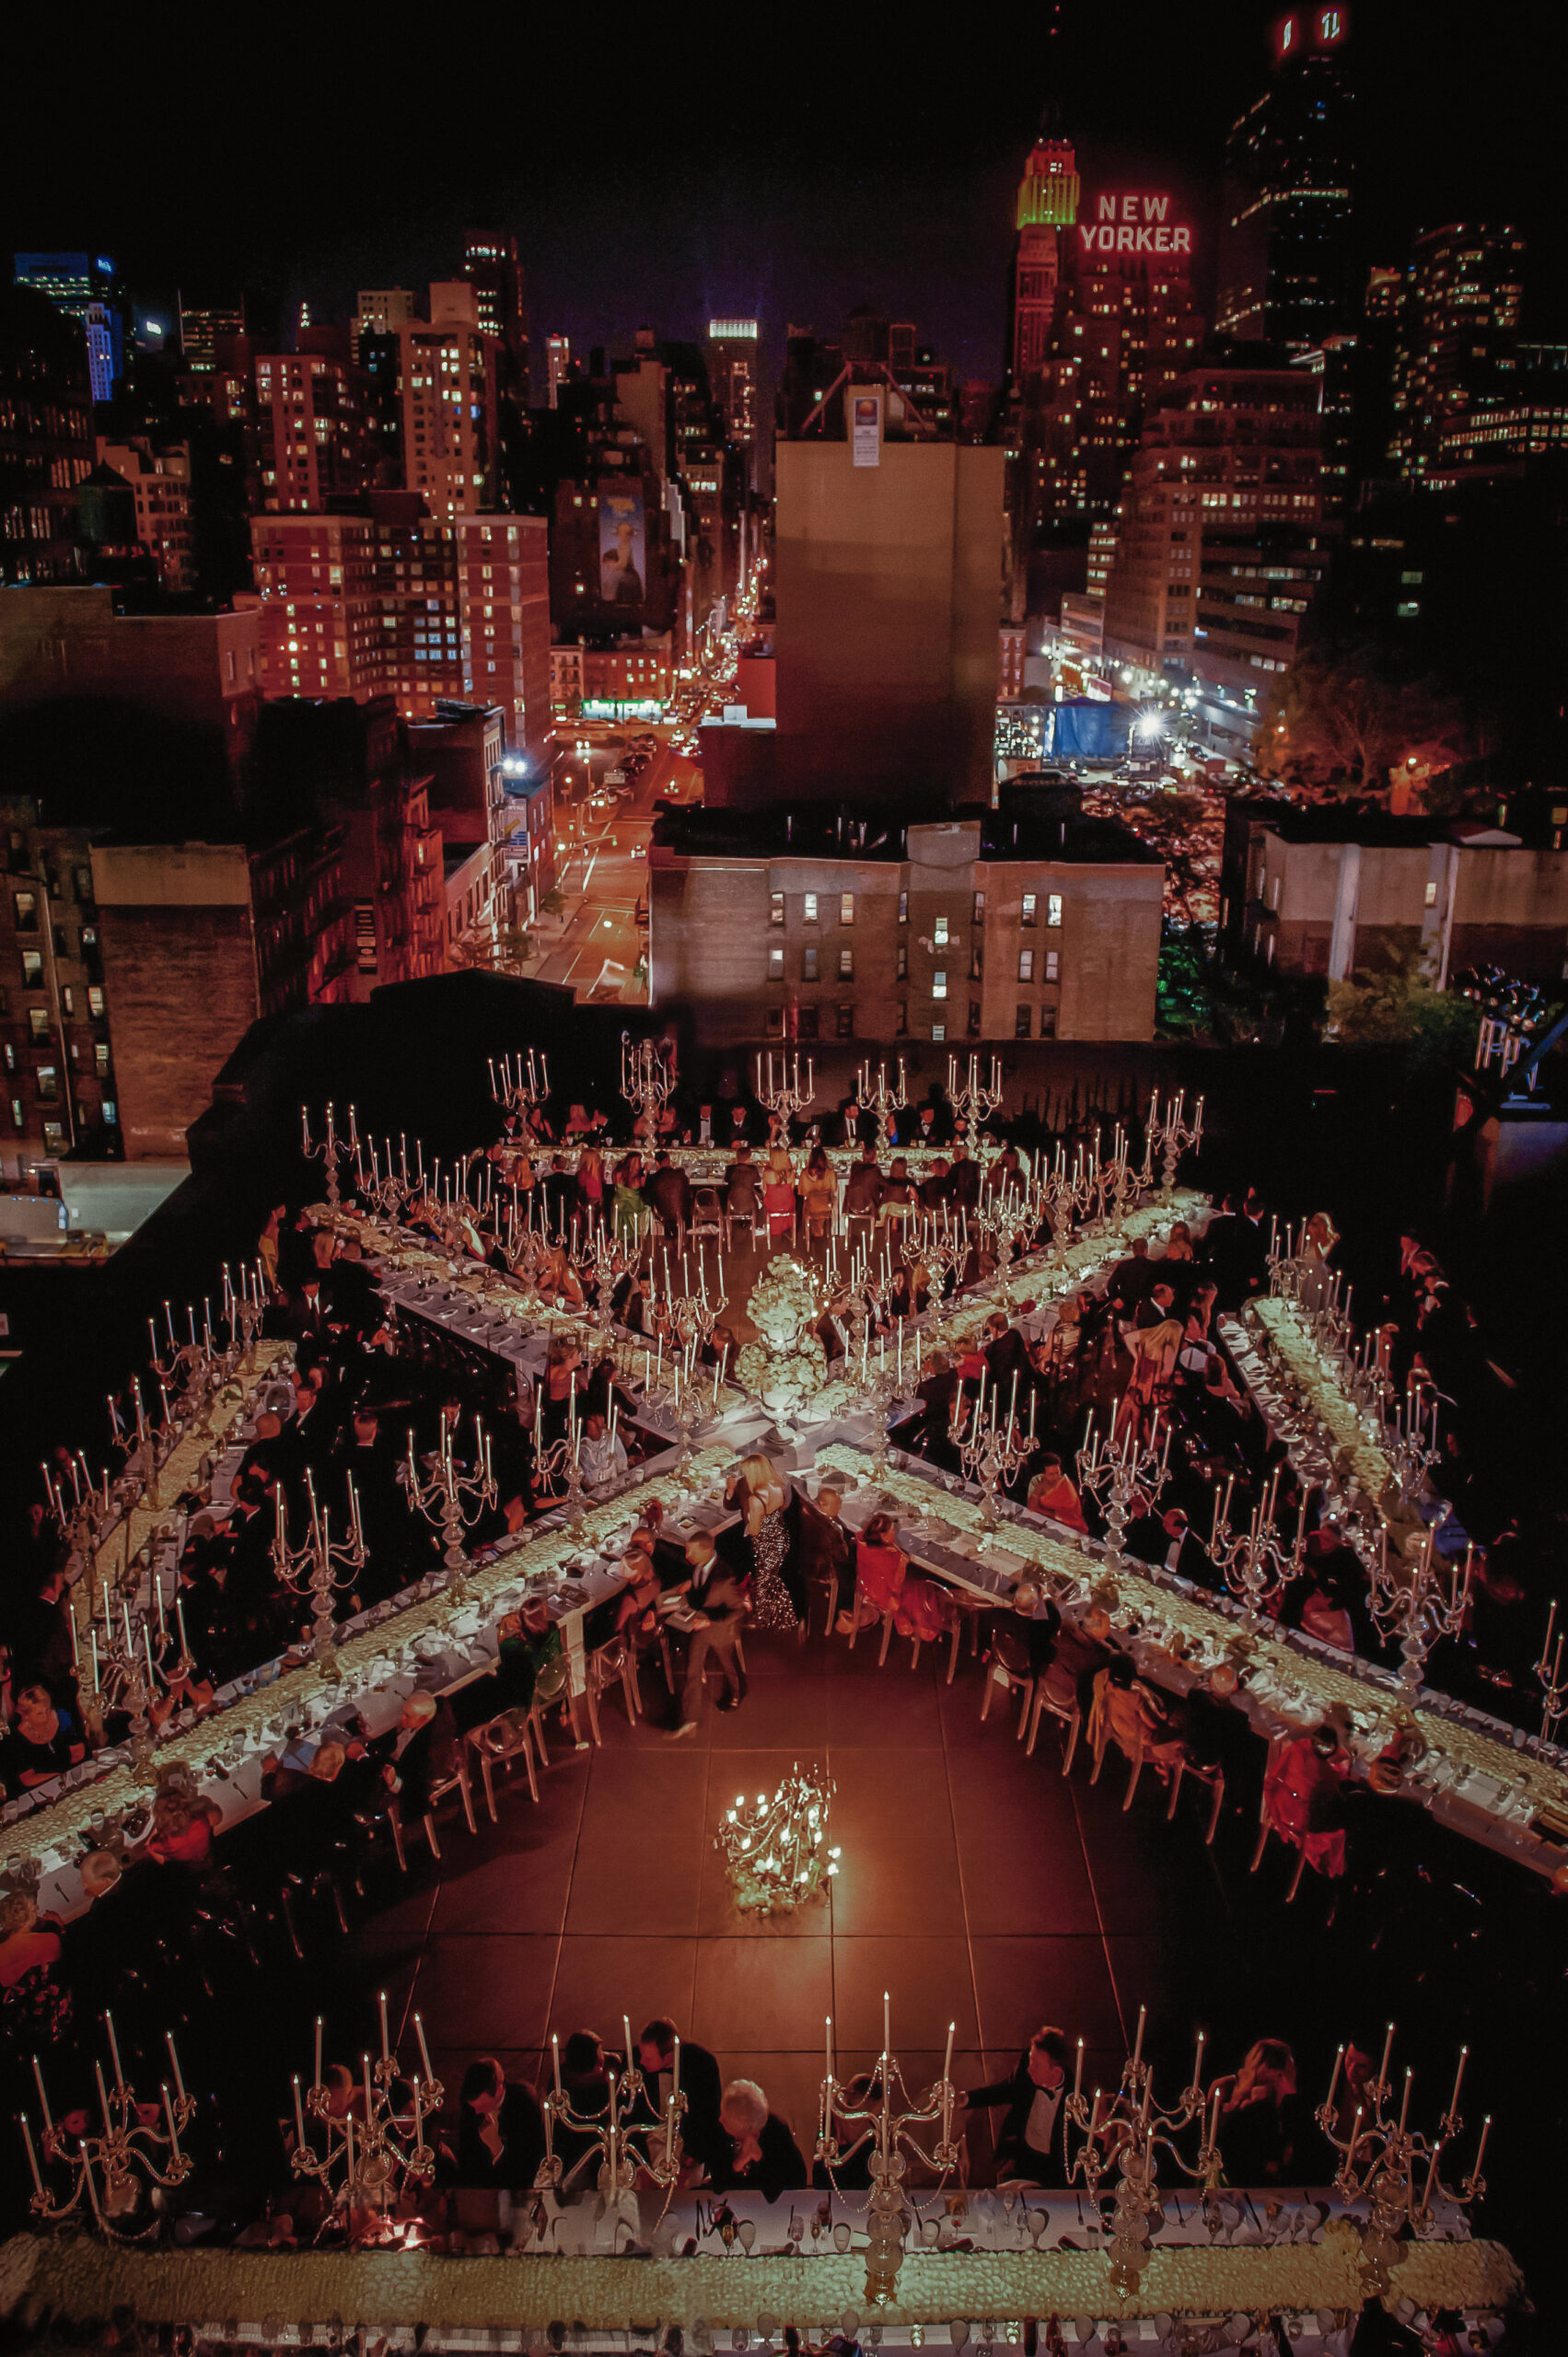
(601, 860)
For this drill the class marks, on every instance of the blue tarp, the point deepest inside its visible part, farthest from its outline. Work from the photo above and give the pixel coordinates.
(1088, 731)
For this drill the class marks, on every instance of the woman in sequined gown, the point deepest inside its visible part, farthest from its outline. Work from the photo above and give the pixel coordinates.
(762, 1494)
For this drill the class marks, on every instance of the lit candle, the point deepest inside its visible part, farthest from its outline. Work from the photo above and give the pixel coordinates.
(1334, 2079)
(381, 2001)
(1078, 2072)
(114, 2049)
(1458, 2076)
(828, 2036)
(1405, 2098)
(317, 2080)
(1387, 2050)
(1138, 2041)
(947, 2058)
(424, 2050)
(1198, 2061)
(555, 2060)
(173, 2131)
(675, 2072)
(42, 2098)
(298, 2113)
(887, 2031)
(32, 2157)
(1481, 2148)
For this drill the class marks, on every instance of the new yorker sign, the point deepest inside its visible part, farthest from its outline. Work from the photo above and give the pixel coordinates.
(1134, 225)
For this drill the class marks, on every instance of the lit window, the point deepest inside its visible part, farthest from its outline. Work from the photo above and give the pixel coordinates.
(1432, 895)
(978, 916)
(846, 965)
(775, 965)
(1028, 916)
(903, 908)
(846, 908)
(941, 933)
(1051, 967)
(809, 907)
(845, 1021)
(1025, 965)
(808, 964)
(939, 1031)
(1053, 909)
(775, 908)
(903, 964)
(939, 983)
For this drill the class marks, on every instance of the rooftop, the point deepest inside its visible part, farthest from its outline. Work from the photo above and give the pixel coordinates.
(847, 831)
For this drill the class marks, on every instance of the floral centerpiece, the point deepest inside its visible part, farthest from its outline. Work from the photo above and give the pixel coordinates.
(787, 1366)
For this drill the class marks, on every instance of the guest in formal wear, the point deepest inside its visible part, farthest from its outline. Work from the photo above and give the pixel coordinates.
(885, 1584)
(702, 2084)
(758, 2154)
(1052, 1492)
(500, 2128)
(718, 1600)
(1031, 2143)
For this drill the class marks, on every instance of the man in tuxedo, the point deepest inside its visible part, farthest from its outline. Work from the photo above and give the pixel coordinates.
(863, 1193)
(702, 2084)
(369, 1459)
(1132, 1280)
(827, 1549)
(669, 1192)
(419, 1750)
(717, 1596)
(1032, 2139)
(1167, 1541)
(963, 1180)
(935, 1188)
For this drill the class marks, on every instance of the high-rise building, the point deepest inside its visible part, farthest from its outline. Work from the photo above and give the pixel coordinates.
(158, 476)
(1284, 262)
(46, 446)
(200, 328)
(557, 367)
(85, 287)
(733, 373)
(1048, 205)
(493, 270)
(450, 404)
(1457, 335)
(1217, 546)
(313, 442)
(392, 601)
(381, 310)
(887, 604)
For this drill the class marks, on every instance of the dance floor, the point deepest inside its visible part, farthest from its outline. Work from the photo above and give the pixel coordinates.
(976, 1885)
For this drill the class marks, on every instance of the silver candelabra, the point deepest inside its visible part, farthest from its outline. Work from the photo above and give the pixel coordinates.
(623, 2144)
(1381, 2154)
(972, 1099)
(1549, 1669)
(320, 1565)
(647, 1080)
(1256, 1563)
(1419, 1602)
(1128, 2132)
(992, 1450)
(523, 1086)
(452, 1501)
(780, 1089)
(1117, 1470)
(885, 1100)
(887, 2126)
(136, 2142)
(363, 2162)
(332, 1150)
(1168, 1135)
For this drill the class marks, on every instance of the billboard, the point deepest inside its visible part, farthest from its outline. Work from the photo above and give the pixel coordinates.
(622, 545)
(1134, 225)
(866, 425)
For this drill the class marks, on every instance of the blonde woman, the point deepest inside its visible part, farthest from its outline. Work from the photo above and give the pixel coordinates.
(1153, 1349)
(760, 1494)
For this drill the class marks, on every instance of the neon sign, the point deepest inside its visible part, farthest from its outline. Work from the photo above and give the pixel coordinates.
(1134, 225)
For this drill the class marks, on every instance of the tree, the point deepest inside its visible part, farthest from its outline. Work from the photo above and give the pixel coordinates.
(1396, 1006)
(1344, 710)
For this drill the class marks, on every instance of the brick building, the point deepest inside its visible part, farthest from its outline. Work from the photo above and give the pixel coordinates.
(46, 441)
(57, 1089)
(200, 939)
(804, 924)
(314, 430)
(1322, 892)
(159, 480)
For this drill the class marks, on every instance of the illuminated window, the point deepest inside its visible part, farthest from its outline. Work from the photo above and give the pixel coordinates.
(939, 1031)
(775, 965)
(1027, 913)
(903, 908)
(939, 984)
(809, 907)
(1053, 909)
(846, 965)
(978, 916)
(903, 964)
(1051, 966)
(843, 1018)
(941, 933)
(33, 970)
(1432, 895)
(977, 962)
(808, 964)
(1025, 965)
(846, 908)
(775, 908)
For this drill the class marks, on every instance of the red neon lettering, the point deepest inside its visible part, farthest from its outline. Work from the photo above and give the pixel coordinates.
(1181, 241)
(1107, 208)
(1124, 240)
(1162, 241)
(1129, 208)
(1145, 244)
(1155, 207)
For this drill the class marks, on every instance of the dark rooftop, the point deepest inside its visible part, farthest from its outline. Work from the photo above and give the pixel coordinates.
(826, 830)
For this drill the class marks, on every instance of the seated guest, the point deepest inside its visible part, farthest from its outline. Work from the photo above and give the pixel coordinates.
(584, 2080)
(884, 1584)
(636, 1613)
(419, 1751)
(1260, 2116)
(936, 1392)
(702, 2082)
(1129, 1714)
(500, 2128)
(899, 1201)
(827, 1548)
(742, 1185)
(778, 1196)
(668, 1191)
(862, 1187)
(44, 1740)
(1167, 1541)
(603, 1459)
(758, 2153)
(818, 1196)
(964, 1177)
(935, 1189)
(1032, 2139)
(1052, 1492)
(1303, 1797)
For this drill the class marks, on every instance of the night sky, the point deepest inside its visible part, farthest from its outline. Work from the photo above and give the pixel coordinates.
(662, 165)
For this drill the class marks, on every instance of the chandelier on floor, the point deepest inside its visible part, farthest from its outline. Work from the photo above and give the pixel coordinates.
(776, 1848)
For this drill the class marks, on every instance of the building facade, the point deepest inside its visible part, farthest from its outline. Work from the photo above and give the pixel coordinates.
(1457, 330)
(160, 478)
(46, 441)
(57, 1087)
(1286, 274)
(787, 925)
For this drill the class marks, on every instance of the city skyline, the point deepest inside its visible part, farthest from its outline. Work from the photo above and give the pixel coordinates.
(792, 201)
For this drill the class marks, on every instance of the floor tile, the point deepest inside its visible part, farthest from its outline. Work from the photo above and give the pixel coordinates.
(778, 1713)
(598, 1978)
(763, 1994)
(1022, 1983)
(1020, 1852)
(496, 1990)
(892, 1819)
(520, 1888)
(927, 1978)
(639, 1850)
(873, 1710)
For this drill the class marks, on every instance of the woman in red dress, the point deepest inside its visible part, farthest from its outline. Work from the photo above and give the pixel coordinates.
(1301, 1797)
(885, 1584)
